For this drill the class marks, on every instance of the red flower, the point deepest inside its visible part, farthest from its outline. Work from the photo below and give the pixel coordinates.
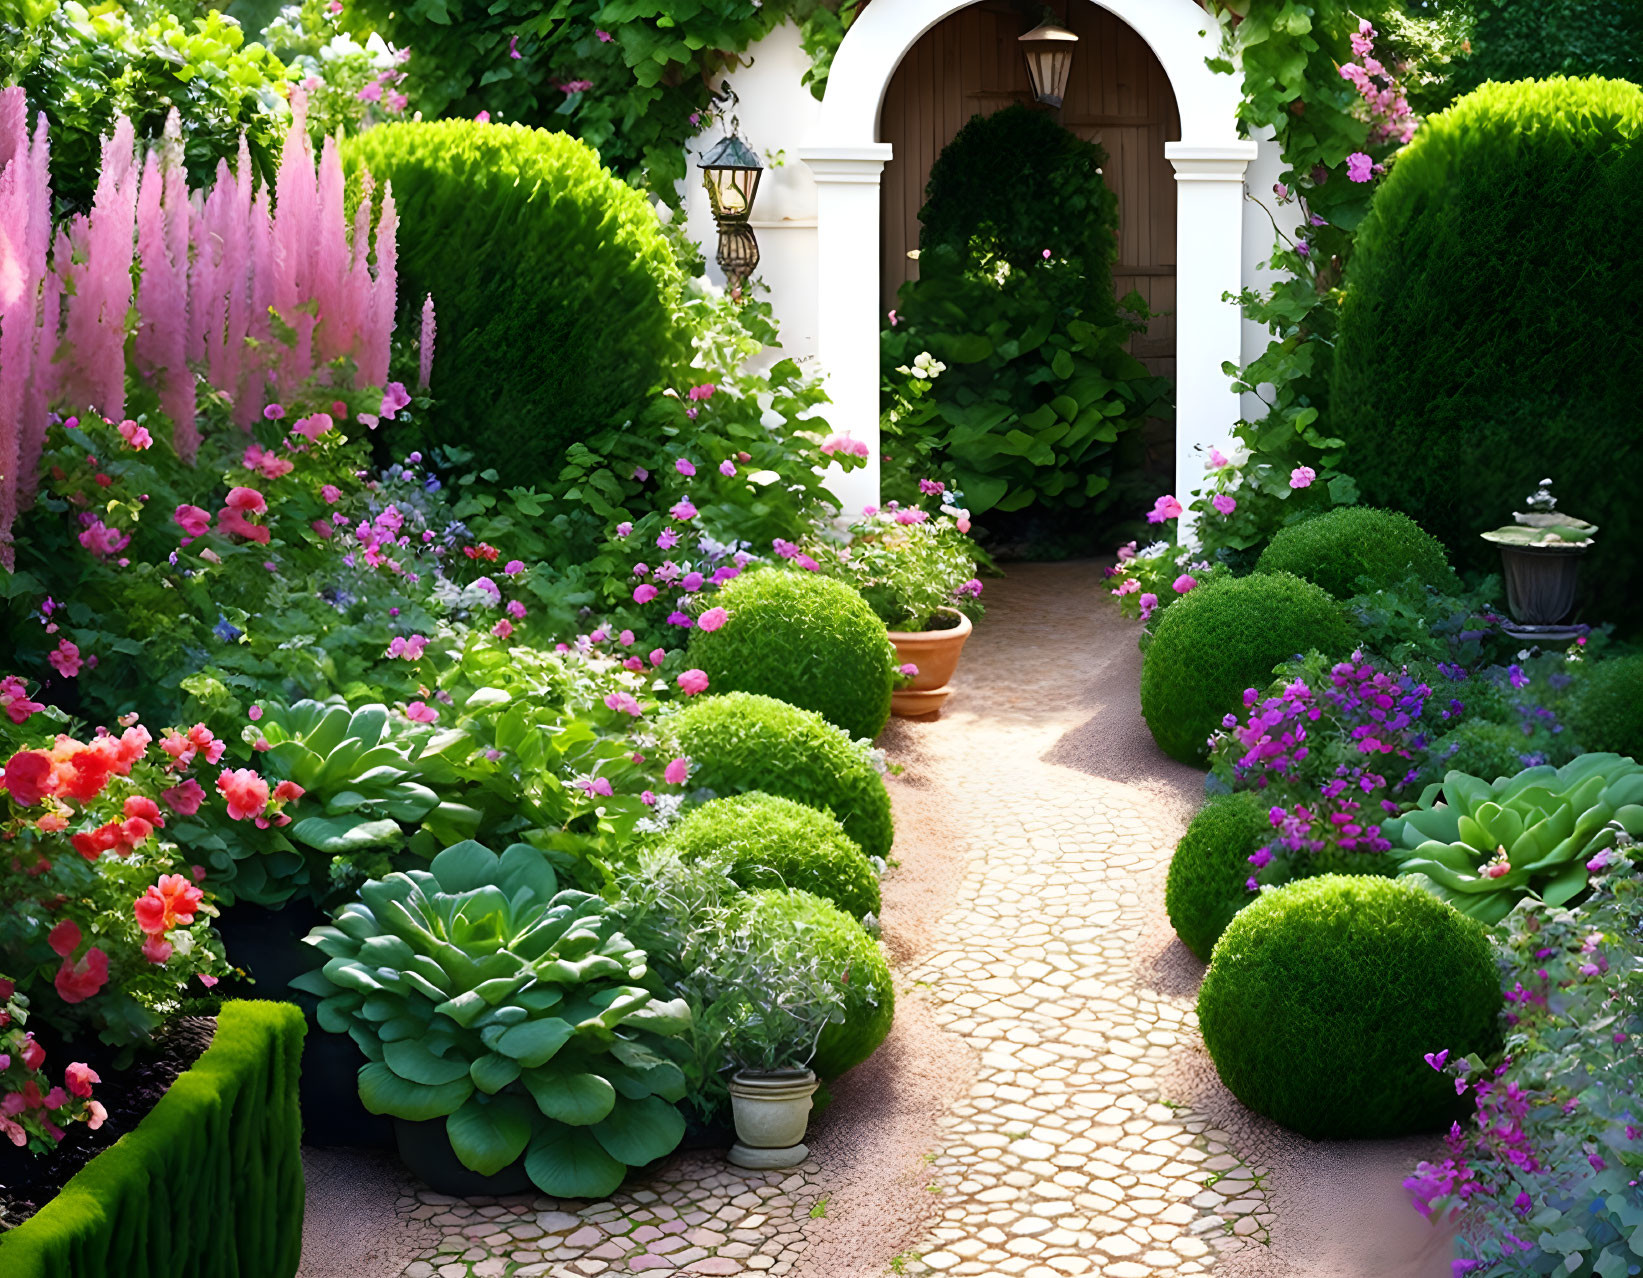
(28, 776)
(34, 1055)
(140, 805)
(91, 844)
(156, 949)
(76, 982)
(87, 773)
(79, 1076)
(246, 792)
(64, 939)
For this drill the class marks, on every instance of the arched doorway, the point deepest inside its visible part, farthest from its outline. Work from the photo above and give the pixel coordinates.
(849, 151)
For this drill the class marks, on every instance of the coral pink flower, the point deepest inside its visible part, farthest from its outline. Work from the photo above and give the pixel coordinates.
(156, 949)
(267, 464)
(314, 425)
(246, 792)
(502, 629)
(34, 1055)
(288, 792)
(421, 712)
(79, 1076)
(184, 799)
(143, 808)
(135, 436)
(248, 501)
(76, 982)
(29, 776)
(693, 681)
(192, 520)
(96, 1114)
(66, 660)
(14, 698)
(170, 903)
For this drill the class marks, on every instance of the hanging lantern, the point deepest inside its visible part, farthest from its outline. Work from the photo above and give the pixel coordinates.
(738, 254)
(1049, 51)
(731, 174)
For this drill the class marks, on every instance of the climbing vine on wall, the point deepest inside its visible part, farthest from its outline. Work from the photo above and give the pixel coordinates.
(633, 78)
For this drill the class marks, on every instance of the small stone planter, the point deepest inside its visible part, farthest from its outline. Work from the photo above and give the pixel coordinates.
(935, 653)
(771, 1111)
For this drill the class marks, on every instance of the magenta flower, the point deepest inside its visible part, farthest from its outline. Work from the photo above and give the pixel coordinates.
(1217, 459)
(273, 412)
(135, 436)
(330, 494)
(676, 771)
(1223, 503)
(1359, 167)
(1149, 604)
(596, 785)
(727, 468)
(712, 619)
(605, 37)
(699, 393)
(684, 467)
(644, 593)
(1302, 477)
(667, 539)
(624, 528)
(421, 712)
(908, 669)
(513, 52)
(683, 509)
(66, 660)
(394, 398)
(192, 520)
(1184, 583)
(692, 581)
(1165, 508)
(513, 567)
(693, 681)
(657, 656)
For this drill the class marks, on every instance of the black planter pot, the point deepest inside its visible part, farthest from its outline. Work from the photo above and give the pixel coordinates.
(268, 945)
(329, 1091)
(426, 1150)
(1540, 584)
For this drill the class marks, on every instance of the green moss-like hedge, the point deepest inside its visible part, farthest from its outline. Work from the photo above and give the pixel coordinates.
(1209, 873)
(1606, 713)
(1323, 998)
(1342, 548)
(765, 841)
(549, 275)
(1221, 638)
(209, 1185)
(1489, 333)
(804, 639)
(740, 742)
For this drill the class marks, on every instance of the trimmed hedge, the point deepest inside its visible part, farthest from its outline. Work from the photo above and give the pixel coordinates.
(765, 841)
(870, 1004)
(1489, 335)
(1338, 549)
(1606, 711)
(550, 278)
(1324, 996)
(1208, 873)
(1221, 638)
(209, 1185)
(804, 639)
(740, 741)
(1481, 748)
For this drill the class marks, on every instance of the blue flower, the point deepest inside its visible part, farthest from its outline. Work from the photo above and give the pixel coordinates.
(226, 630)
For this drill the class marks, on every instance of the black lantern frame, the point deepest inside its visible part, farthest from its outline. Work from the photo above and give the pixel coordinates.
(1048, 48)
(731, 172)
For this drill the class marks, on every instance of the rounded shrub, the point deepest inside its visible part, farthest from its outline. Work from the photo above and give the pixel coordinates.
(739, 742)
(765, 841)
(550, 278)
(1488, 334)
(1341, 549)
(1208, 873)
(870, 1002)
(1481, 748)
(1324, 996)
(1606, 712)
(1221, 638)
(805, 639)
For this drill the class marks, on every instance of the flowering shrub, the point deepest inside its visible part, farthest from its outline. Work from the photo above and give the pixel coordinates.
(350, 85)
(906, 565)
(1544, 1179)
(34, 1111)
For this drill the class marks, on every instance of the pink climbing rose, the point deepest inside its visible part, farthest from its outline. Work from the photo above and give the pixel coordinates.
(1302, 477)
(693, 681)
(676, 771)
(1165, 508)
(1224, 503)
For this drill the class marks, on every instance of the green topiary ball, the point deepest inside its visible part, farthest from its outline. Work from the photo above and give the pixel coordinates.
(805, 639)
(1488, 333)
(1221, 638)
(1324, 996)
(1480, 748)
(770, 842)
(870, 1005)
(740, 742)
(1606, 712)
(1208, 873)
(550, 278)
(1338, 549)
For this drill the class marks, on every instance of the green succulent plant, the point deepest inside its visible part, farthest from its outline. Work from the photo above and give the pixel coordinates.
(481, 994)
(1483, 846)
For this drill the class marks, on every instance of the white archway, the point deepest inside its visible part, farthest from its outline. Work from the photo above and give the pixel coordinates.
(847, 158)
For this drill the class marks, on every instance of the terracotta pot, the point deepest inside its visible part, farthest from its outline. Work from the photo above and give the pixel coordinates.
(935, 653)
(771, 1111)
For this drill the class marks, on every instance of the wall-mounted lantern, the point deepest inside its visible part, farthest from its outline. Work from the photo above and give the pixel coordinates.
(1049, 51)
(731, 172)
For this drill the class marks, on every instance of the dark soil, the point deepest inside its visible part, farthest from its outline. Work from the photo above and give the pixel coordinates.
(28, 1183)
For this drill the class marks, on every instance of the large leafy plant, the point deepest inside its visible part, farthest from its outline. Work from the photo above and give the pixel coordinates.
(1485, 846)
(482, 994)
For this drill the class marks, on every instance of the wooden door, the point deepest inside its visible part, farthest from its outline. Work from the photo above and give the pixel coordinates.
(1118, 95)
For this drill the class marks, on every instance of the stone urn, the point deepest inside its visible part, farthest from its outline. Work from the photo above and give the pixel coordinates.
(771, 1110)
(935, 653)
(1540, 553)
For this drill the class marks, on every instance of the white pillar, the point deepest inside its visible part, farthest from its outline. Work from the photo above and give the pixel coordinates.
(1208, 332)
(847, 303)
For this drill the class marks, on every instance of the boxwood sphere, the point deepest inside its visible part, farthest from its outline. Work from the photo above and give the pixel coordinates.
(1223, 637)
(806, 639)
(870, 1000)
(741, 741)
(1606, 712)
(1208, 873)
(766, 841)
(1324, 996)
(1336, 550)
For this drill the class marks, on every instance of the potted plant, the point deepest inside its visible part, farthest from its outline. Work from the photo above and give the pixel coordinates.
(918, 574)
(1540, 552)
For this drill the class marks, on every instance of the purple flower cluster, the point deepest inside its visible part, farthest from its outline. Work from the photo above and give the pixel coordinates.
(1338, 821)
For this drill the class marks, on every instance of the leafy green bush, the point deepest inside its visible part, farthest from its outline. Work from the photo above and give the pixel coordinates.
(1037, 387)
(1224, 637)
(907, 572)
(847, 951)
(1483, 846)
(1481, 748)
(1606, 710)
(740, 742)
(210, 1182)
(764, 841)
(1324, 996)
(83, 66)
(1342, 548)
(483, 995)
(804, 639)
(1512, 41)
(550, 277)
(1486, 336)
(1210, 868)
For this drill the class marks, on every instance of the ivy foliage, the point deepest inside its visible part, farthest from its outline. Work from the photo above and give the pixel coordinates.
(634, 79)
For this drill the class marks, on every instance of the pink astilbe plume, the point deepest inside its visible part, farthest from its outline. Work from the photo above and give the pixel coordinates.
(99, 278)
(163, 217)
(425, 348)
(379, 321)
